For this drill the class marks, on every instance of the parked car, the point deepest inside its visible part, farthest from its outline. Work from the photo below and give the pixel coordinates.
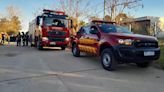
(115, 45)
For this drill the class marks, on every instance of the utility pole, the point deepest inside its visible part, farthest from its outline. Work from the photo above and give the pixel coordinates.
(104, 9)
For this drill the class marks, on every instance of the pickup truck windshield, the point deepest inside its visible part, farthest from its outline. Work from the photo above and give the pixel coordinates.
(56, 22)
(114, 28)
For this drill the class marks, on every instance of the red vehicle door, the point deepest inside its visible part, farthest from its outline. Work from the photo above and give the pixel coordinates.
(93, 39)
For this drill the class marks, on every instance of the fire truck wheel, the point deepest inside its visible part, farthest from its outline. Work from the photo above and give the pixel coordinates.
(63, 48)
(75, 51)
(108, 60)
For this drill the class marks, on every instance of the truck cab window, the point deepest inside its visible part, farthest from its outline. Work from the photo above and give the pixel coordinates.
(56, 22)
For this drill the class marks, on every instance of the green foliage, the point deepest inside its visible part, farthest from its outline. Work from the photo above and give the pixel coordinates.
(82, 23)
(161, 60)
(11, 26)
(11, 23)
(121, 17)
(107, 18)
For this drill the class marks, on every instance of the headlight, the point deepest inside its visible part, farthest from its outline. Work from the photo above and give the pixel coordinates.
(125, 41)
(67, 39)
(44, 39)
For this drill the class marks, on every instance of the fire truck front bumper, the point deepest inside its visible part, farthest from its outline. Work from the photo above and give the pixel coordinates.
(56, 42)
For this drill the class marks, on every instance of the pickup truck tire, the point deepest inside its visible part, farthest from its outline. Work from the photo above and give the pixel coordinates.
(75, 51)
(108, 60)
(143, 65)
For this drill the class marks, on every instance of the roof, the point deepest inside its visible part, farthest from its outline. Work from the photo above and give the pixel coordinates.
(150, 18)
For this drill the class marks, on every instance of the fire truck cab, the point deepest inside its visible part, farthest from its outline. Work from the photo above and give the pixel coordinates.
(50, 29)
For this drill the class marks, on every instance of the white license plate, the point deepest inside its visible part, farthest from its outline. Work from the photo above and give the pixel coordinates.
(149, 53)
(52, 43)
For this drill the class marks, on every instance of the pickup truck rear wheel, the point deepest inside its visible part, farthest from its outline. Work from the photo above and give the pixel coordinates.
(108, 60)
(75, 51)
(143, 65)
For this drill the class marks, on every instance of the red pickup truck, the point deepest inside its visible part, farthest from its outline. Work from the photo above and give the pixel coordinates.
(115, 45)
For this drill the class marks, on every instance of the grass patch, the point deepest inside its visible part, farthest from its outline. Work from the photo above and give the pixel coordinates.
(161, 60)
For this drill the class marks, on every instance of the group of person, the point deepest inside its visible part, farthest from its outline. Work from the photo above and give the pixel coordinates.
(22, 38)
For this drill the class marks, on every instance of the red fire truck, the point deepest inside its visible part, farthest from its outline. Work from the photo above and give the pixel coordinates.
(50, 29)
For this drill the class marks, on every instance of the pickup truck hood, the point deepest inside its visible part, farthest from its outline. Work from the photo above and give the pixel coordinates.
(132, 36)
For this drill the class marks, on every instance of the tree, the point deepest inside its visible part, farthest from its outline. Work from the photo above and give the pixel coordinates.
(161, 24)
(13, 11)
(116, 7)
(15, 25)
(75, 9)
(4, 24)
(94, 18)
(121, 17)
(10, 24)
(82, 23)
(107, 18)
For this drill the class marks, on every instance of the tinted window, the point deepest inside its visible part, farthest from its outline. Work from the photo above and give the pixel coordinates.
(87, 30)
(55, 22)
(114, 28)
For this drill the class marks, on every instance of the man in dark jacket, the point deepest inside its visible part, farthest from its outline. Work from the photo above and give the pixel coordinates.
(3, 39)
(27, 38)
(18, 38)
(23, 38)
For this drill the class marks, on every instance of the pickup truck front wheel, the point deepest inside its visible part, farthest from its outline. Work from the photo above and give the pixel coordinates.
(75, 51)
(108, 60)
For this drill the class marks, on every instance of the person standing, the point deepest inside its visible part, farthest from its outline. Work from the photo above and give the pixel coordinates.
(3, 39)
(23, 38)
(27, 38)
(18, 38)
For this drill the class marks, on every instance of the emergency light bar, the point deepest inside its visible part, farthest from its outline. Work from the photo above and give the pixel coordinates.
(53, 12)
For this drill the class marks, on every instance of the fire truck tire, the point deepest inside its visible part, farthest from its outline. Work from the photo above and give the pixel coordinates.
(75, 51)
(108, 60)
(63, 48)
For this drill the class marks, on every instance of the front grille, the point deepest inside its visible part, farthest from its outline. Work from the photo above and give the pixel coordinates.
(146, 44)
(56, 39)
(56, 33)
